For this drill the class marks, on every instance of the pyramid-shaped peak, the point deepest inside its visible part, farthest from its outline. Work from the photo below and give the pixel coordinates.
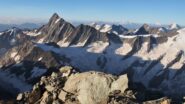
(55, 15)
(55, 19)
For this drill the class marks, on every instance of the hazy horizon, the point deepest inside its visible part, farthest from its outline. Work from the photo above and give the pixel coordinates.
(142, 11)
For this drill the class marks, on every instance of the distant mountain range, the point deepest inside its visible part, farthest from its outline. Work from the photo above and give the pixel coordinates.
(4, 27)
(30, 26)
(129, 25)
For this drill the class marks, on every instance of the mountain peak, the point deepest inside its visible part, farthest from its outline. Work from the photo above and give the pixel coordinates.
(55, 15)
(174, 26)
(143, 29)
(55, 18)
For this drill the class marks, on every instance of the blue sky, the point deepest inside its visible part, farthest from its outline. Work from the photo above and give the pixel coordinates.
(140, 11)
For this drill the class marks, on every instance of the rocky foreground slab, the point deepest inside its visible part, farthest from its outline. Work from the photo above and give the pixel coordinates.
(71, 87)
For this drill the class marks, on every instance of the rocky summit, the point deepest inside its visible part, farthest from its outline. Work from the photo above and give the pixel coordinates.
(59, 63)
(71, 87)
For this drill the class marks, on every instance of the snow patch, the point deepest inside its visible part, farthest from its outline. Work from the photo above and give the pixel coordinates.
(57, 20)
(174, 26)
(63, 43)
(97, 47)
(12, 42)
(17, 58)
(134, 36)
(124, 50)
(161, 30)
(115, 32)
(1, 33)
(40, 58)
(106, 28)
(49, 48)
(13, 54)
(11, 31)
(32, 33)
(41, 40)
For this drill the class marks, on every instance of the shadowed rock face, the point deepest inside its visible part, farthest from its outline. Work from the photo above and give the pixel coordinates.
(13, 33)
(5, 95)
(57, 29)
(22, 66)
(29, 52)
(119, 29)
(87, 35)
(11, 38)
(144, 29)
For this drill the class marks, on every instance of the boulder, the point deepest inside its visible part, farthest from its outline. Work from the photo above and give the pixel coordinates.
(90, 87)
(66, 70)
(120, 84)
(77, 88)
(50, 88)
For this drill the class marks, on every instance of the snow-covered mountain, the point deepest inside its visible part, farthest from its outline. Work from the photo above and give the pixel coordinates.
(147, 29)
(174, 26)
(153, 57)
(148, 57)
(120, 30)
(116, 29)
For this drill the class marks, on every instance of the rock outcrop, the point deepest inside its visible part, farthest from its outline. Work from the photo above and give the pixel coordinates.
(71, 87)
